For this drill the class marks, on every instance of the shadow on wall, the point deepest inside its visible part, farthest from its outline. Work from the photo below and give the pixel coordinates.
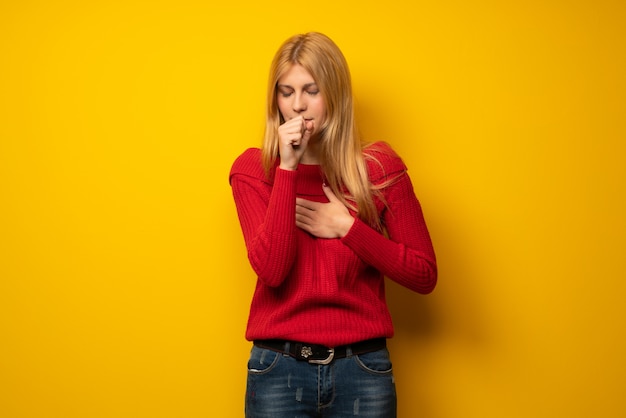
(430, 327)
(418, 326)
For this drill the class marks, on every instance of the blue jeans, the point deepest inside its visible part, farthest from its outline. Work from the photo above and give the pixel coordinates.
(358, 385)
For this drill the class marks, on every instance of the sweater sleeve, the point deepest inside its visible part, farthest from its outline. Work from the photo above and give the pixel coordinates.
(267, 217)
(406, 255)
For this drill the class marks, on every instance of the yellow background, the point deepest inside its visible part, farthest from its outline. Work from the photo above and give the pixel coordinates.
(124, 284)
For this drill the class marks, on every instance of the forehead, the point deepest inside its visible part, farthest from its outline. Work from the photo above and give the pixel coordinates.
(296, 75)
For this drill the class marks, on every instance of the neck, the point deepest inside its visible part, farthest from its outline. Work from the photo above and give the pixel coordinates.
(310, 155)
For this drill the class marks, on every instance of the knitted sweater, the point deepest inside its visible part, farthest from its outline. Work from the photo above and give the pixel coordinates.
(328, 291)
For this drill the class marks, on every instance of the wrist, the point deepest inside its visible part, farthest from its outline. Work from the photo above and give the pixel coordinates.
(345, 226)
(287, 166)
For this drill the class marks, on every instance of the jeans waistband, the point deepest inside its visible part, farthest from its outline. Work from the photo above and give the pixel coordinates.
(320, 354)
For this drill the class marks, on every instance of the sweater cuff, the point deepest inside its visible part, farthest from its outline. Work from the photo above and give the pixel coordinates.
(285, 175)
(359, 236)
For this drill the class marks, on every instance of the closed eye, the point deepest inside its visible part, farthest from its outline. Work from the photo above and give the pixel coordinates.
(285, 91)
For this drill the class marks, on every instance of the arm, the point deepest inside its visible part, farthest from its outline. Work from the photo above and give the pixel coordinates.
(407, 256)
(266, 214)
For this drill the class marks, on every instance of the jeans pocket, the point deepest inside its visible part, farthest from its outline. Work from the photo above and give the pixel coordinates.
(262, 360)
(375, 362)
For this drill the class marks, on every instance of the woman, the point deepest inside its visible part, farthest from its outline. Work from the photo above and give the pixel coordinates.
(324, 219)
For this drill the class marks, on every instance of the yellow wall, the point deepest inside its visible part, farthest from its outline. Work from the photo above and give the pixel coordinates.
(124, 285)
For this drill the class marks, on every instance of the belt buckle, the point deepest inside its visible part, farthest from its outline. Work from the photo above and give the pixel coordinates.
(327, 360)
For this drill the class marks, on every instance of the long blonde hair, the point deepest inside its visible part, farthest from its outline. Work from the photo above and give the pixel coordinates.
(340, 148)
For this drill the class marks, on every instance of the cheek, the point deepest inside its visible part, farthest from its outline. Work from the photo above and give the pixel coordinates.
(283, 106)
(322, 112)
(320, 109)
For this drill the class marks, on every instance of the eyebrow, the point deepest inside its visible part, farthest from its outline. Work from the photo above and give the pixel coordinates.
(306, 86)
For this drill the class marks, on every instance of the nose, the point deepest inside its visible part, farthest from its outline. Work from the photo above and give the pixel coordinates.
(299, 103)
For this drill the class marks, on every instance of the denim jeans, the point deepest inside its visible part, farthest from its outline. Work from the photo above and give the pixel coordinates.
(358, 385)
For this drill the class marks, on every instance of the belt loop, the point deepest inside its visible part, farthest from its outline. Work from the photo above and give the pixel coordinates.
(287, 346)
(349, 351)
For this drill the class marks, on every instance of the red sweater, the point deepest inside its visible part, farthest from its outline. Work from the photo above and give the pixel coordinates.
(328, 291)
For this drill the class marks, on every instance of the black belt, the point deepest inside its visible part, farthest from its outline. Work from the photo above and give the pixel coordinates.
(320, 354)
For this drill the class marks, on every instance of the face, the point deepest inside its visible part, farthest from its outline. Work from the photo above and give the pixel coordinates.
(297, 94)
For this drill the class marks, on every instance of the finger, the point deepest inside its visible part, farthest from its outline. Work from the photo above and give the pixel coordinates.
(307, 134)
(329, 193)
(305, 220)
(306, 204)
(296, 124)
(293, 120)
(303, 226)
(293, 131)
(293, 125)
(292, 138)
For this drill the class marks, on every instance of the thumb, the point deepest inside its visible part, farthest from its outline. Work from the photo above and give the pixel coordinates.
(308, 129)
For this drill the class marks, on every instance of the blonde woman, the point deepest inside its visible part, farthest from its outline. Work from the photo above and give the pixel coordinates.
(325, 219)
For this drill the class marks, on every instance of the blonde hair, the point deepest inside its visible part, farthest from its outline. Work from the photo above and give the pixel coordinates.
(340, 148)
